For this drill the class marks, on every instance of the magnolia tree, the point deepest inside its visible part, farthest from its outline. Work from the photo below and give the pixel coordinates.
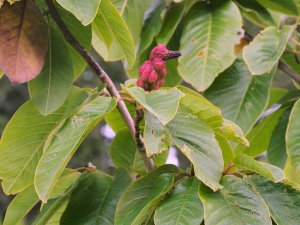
(239, 132)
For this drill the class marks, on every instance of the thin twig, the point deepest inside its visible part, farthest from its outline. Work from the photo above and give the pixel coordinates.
(138, 117)
(111, 88)
(130, 100)
(282, 65)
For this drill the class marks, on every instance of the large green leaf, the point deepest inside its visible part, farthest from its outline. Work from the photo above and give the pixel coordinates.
(25, 136)
(266, 49)
(259, 137)
(162, 103)
(233, 132)
(133, 12)
(63, 143)
(141, 198)
(115, 120)
(282, 199)
(110, 27)
(235, 204)
(85, 11)
(207, 43)
(245, 161)
(227, 151)
(276, 150)
(51, 88)
(83, 35)
(27, 199)
(201, 107)
(241, 96)
(293, 136)
(53, 210)
(288, 6)
(151, 27)
(171, 20)
(85, 208)
(20, 206)
(124, 153)
(182, 206)
(157, 139)
(255, 12)
(195, 139)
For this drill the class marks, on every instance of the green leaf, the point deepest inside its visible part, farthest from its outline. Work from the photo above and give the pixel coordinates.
(276, 150)
(115, 120)
(26, 133)
(162, 103)
(235, 204)
(283, 200)
(292, 60)
(259, 137)
(233, 132)
(171, 21)
(227, 151)
(288, 7)
(196, 140)
(85, 11)
(27, 199)
(251, 164)
(201, 107)
(207, 43)
(110, 27)
(141, 198)
(61, 146)
(20, 206)
(241, 96)
(83, 35)
(182, 206)
(52, 211)
(124, 154)
(255, 12)
(67, 179)
(101, 209)
(51, 88)
(157, 139)
(293, 136)
(266, 49)
(133, 12)
(151, 27)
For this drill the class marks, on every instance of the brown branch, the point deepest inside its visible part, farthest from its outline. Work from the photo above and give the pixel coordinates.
(282, 65)
(138, 117)
(111, 88)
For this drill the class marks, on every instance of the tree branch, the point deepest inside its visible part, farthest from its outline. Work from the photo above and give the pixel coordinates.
(111, 88)
(282, 65)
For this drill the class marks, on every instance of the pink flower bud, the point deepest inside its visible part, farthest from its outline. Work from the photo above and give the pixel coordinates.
(140, 83)
(153, 77)
(158, 63)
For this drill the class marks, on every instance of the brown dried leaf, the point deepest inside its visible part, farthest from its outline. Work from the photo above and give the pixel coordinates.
(23, 40)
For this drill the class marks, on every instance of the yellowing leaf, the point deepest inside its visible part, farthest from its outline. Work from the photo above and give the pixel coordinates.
(23, 41)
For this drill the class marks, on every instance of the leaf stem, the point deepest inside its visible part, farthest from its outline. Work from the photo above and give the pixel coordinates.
(111, 88)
